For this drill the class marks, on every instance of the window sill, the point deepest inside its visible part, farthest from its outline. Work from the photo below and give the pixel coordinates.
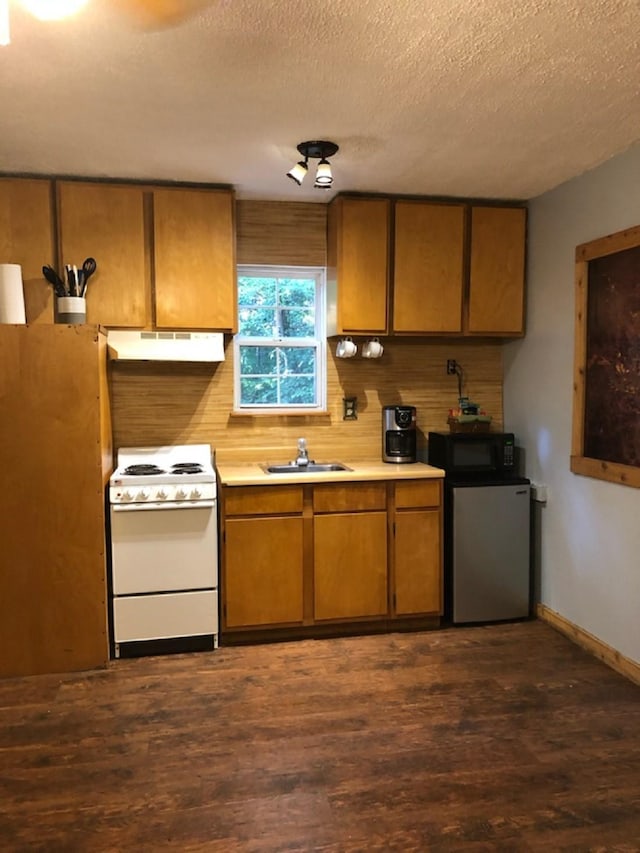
(284, 413)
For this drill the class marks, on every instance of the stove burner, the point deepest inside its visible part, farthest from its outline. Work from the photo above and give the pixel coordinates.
(187, 468)
(143, 469)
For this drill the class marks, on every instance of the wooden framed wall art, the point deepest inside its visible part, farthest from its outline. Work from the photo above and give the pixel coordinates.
(606, 399)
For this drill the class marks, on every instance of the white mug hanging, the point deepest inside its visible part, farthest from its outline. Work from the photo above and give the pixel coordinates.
(372, 349)
(346, 348)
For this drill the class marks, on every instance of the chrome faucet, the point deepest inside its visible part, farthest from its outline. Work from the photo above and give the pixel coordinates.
(302, 460)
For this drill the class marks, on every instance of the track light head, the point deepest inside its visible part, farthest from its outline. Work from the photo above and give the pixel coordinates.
(297, 173)
(324, 178)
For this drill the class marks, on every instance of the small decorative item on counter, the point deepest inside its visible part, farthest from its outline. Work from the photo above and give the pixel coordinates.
(468, 417)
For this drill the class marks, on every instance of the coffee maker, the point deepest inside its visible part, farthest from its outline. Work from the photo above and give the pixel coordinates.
(399, 434)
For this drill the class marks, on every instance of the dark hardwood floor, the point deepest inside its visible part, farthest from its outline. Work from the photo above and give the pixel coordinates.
(499, 738)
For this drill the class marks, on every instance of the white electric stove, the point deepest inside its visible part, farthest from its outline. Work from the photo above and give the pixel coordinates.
(164, 550)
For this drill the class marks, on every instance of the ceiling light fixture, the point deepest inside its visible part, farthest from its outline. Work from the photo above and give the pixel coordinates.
(317, 150)
(5, 34)
(44, 10)
(53, 10)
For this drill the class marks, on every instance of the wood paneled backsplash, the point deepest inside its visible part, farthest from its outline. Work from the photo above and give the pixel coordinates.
(156, 403)
(281, 232)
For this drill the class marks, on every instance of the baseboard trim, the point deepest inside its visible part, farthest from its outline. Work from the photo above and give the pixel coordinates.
(625, 666)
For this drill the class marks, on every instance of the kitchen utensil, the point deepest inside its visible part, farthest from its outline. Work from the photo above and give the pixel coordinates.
(54, 279)
(88, 268)
(72, 283)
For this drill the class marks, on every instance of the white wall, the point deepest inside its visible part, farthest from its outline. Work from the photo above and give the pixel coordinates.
(589, 546)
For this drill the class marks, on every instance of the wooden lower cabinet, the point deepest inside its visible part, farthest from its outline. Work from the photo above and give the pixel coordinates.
(350, 565)
(299, 558)
(417, 557)
(418, 564)
(263, 571)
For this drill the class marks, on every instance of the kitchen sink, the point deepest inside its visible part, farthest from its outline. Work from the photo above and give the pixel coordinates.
(311, 468)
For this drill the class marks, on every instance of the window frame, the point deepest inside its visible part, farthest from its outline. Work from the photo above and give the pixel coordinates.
(318, 342)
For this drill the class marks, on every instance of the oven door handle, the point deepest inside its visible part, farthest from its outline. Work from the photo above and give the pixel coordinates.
(153, 506)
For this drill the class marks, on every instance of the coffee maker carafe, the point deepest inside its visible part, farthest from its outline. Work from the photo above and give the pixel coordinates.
(399, 434)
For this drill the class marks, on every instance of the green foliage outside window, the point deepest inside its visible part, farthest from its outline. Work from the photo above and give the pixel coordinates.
(278, 340)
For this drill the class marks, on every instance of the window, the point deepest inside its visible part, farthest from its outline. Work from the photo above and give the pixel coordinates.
(280, 348)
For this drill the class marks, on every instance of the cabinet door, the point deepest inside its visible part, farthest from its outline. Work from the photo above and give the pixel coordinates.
(106, 222)
(194, 252)
(497, 269)
(428, 267)
(350, 565)
(26, 238)
(358, 265)
(418, 562)
(262, 571)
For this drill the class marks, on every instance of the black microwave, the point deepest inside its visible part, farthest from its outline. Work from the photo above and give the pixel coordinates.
(473, 453)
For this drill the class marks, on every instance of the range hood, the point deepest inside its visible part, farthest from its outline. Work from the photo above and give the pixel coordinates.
(165, 346)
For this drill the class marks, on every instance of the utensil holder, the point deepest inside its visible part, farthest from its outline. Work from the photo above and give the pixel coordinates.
(71, 310)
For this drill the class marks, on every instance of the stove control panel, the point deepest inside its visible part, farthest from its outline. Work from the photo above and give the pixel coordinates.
(178, 493)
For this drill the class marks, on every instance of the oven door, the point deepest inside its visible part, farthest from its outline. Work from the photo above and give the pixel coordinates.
(164, 549)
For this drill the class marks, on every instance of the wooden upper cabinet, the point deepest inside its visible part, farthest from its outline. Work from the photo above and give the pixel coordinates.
(27, 238)
(358, 265)
(428, 267)
(107, 222)
(497, 271)
(194, 257)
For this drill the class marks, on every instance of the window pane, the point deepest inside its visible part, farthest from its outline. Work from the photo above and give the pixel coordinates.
(299, 292)
(299, 359)
(257, 322)
(297, 389)
(260, 390)
(297, 323)
(259, 360)
(255, 291)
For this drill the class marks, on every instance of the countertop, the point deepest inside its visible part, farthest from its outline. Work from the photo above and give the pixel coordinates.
(251, 474)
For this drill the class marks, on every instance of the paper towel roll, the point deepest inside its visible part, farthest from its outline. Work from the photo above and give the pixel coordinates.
(11, 294)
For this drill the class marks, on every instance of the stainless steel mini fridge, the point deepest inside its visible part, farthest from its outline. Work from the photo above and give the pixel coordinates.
(489, 555)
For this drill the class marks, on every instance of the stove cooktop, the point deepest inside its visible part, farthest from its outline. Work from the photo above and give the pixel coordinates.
(191, 463)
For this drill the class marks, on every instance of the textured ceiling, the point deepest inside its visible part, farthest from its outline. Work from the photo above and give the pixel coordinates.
(492, 98)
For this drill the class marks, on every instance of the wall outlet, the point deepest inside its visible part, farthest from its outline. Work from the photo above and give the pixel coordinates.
(539, 492)
(350, 409)
(451, 365)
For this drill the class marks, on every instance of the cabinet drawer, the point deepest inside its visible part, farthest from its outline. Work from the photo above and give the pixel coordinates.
(156, 617)
(350, 497)
(262, 500)
(417, 493)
